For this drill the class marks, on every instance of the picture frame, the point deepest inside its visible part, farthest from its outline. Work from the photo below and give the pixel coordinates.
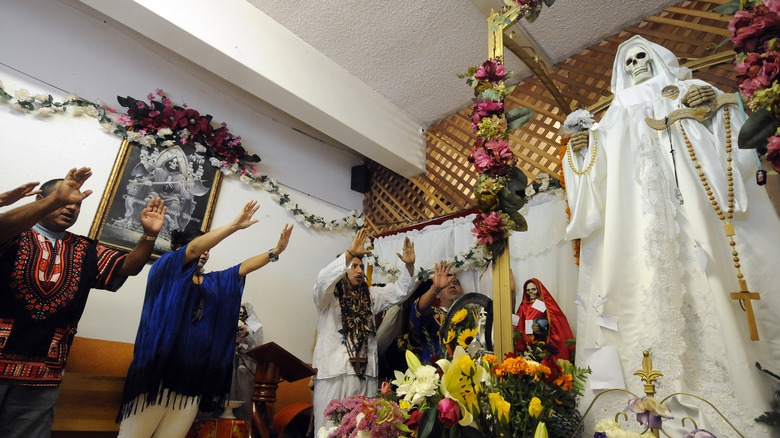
(179, 174)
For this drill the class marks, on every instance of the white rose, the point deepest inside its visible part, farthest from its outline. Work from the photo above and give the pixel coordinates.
(324, 433)
(276, 198)
(22, 94)
(92, 111)
(234, 167)
(164, 131)
(529, 191)
(168, 143)
(200, 148)
(77, 110)
(245, 179)
(133, 136)
(147, 140)
(107, 127)
(215, 162)
(46, 111)
(42, 97)
(71, 96)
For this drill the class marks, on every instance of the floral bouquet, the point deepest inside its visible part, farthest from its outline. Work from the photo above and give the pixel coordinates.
(756, 37)
(519, 397)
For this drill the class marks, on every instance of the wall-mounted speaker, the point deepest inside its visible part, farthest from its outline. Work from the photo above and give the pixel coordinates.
(361, 180)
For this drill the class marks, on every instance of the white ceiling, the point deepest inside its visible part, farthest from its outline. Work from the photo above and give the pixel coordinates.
(410, 51)
(370, 75)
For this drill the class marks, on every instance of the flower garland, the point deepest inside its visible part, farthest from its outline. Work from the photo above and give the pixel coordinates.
(472, 258)
(500, 187)
(756, 36)
(160, 123)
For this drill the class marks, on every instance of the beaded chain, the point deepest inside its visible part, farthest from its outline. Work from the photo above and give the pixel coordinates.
(592, 156)
(725, 218)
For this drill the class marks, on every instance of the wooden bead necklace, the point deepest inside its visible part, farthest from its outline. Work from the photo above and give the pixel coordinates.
(744, 295)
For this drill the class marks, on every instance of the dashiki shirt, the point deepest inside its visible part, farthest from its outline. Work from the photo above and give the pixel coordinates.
(427, 326)
(43, 291)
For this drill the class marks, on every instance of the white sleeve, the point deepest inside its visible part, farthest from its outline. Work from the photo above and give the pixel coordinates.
(382, 298)
(326, 282)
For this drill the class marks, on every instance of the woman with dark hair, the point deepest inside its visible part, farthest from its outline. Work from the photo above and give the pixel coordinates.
(184, 347)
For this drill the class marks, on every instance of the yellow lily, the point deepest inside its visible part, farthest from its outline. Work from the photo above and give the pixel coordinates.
(461, 378)
(541, 430)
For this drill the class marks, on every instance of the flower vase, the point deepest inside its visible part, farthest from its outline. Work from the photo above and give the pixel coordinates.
(227, 413)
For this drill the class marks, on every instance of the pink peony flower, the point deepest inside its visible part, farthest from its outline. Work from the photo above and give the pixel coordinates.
(485, 108)
(449, 413)
(752, 29)
(493, 158)
(488, 228)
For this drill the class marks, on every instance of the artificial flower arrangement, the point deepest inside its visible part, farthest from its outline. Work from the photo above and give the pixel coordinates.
(756, 36)
(500, 187)
(467, 397)
(161, 123)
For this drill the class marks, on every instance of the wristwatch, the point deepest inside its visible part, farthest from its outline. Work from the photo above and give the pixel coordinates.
(271, 256)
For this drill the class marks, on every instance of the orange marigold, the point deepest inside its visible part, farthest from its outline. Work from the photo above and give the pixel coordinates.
(514, 365)
(565, 381)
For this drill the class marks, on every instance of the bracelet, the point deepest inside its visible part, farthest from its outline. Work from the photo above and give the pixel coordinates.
(271, 256)
(147, 237)
(350, 254)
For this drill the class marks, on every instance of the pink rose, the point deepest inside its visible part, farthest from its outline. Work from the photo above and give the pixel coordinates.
(490, 71)
(386, 390)
(449, 413)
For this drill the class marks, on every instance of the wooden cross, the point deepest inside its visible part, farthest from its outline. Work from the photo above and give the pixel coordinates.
(746, 296)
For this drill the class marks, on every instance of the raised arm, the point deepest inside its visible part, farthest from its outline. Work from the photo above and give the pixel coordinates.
(68, 191)
(260, 260)
(203, 243)
(358, 246)
(18, 193)
(152, 220)
(408, 256)
(441, 279)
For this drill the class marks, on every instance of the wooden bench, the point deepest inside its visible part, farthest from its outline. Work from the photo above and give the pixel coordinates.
(91, 389)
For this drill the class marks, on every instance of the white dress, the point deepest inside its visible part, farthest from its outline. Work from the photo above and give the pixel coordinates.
(666, 269)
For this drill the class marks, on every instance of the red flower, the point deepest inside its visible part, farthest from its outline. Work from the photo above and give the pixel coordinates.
(488, 228)
(753, 28)
(449, 413)
(490, 71)
(413, 422)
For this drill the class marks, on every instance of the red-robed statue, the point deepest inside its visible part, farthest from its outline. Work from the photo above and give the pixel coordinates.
(542, 320)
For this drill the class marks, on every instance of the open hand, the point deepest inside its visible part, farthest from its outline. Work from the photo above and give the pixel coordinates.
(284, 239)
(69, 189)
(358, 246)
(441, 277)
(18, 193)
(153, 216)
(244, 219)
(408, 252)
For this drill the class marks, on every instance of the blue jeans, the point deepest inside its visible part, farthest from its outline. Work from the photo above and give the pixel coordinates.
(27, 411)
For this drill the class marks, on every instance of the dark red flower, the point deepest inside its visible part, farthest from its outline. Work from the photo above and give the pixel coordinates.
(490, 71)
(753, 28)
(413, 422)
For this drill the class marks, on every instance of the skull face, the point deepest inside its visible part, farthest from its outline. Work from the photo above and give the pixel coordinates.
(639, 65)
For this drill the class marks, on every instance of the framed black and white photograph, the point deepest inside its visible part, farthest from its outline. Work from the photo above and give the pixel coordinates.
(180, 175)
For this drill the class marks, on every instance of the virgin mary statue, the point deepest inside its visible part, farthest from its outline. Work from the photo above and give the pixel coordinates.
(655, 255)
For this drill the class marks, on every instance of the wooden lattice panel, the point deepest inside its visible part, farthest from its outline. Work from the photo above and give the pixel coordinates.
(688, 30)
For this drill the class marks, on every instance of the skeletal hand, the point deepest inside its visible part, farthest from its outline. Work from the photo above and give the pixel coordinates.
(579, 141)
(698, 95)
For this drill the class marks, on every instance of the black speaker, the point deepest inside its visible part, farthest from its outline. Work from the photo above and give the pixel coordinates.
(360, 179)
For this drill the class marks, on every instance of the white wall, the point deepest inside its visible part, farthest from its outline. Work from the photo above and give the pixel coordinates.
(55, 47)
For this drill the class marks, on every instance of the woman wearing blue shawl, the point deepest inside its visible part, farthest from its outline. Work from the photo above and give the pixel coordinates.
(184, 347)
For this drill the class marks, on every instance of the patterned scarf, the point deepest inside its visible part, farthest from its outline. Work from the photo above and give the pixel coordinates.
(357, 322)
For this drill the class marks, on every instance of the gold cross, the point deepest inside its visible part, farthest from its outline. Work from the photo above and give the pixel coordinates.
(746, 296)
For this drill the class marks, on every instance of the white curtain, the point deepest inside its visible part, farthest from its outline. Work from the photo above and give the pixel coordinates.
(539, 252)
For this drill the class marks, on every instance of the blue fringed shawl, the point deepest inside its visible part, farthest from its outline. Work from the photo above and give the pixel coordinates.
(171, 351)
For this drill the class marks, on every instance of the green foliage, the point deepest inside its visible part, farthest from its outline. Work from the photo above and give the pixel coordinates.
(518, 117)
(729, 8)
